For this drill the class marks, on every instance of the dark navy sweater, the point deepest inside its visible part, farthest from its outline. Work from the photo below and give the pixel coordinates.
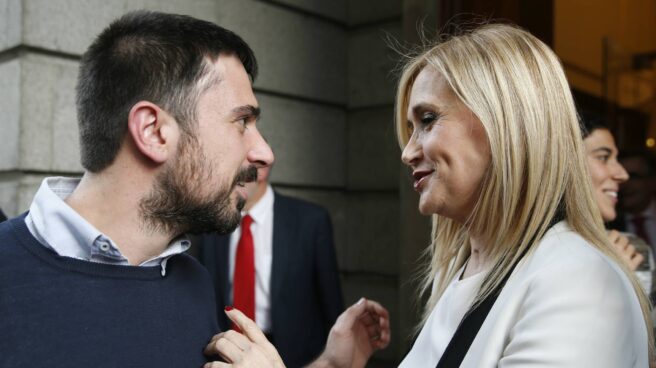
(62, 312)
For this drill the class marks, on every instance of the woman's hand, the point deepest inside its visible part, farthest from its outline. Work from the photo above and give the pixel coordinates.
(627, 252)
(358, 332)
(247, 349)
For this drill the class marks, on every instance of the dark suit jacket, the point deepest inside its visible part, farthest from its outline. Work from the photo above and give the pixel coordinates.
(2, 215)
(305, 292)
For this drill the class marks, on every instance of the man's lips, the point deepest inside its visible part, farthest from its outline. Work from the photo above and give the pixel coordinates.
(241, 191)
(244, 176)
(420, 177)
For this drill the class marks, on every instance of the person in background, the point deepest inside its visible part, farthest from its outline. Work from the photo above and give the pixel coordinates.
(638, 195)
(607, 175)
(281, 271)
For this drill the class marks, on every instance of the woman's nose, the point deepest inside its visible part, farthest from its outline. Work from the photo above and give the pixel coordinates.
(411, 152)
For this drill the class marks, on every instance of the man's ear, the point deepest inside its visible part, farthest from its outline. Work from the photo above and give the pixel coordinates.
(153, 131)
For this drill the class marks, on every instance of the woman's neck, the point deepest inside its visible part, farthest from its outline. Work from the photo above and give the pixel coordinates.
(478, 258)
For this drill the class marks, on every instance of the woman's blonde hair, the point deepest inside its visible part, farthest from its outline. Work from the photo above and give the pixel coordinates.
(517, 88)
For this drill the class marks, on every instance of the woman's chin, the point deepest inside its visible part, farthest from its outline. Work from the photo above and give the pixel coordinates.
(609, 216)
(425, 208)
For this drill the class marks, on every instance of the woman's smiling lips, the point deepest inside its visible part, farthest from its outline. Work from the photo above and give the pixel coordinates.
(419, 177)
(611, 193)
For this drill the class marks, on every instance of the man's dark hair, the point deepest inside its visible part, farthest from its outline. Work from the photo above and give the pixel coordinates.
(157, 57)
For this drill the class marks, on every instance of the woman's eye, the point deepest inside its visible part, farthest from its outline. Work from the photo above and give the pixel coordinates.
(603, 158)
(428, 118)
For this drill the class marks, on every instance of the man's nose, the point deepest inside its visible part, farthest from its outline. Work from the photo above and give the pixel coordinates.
(260, 153)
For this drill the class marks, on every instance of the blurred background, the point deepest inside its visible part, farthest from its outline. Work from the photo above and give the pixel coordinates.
(326, 88)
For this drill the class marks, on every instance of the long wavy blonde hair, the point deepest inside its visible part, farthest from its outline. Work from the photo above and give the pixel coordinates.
(517, 88)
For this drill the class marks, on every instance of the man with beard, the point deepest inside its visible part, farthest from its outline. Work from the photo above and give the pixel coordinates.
(95, 274)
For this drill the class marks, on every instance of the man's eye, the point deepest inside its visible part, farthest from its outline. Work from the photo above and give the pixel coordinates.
(243, 121)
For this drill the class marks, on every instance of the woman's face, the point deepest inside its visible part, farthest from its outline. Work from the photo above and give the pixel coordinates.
(607, 173)
(448, 150)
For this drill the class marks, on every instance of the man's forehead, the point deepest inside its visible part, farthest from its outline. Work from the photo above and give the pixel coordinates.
(228, 78)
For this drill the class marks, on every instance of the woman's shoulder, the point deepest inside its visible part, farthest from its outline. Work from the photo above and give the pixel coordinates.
(568, 292)
(566, 264)
(564, 251)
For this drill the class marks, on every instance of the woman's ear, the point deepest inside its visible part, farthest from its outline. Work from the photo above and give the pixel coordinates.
(153, 131)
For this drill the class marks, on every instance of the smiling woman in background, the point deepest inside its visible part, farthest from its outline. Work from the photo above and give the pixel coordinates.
(607, 174)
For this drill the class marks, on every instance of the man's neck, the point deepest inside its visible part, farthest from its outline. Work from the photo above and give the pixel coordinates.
(111, 206)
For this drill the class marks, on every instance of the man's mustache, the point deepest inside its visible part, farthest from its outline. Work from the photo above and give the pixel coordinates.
(246, 175)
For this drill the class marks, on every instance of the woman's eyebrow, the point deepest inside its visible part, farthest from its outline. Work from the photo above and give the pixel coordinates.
(603, 149)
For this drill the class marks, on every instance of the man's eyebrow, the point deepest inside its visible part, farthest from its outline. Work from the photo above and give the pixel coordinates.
(248, 110)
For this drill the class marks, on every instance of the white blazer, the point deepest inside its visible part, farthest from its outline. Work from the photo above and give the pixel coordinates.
(565, 305)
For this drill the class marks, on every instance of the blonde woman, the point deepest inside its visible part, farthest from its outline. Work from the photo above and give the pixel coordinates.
(490, 132)
(519, 257)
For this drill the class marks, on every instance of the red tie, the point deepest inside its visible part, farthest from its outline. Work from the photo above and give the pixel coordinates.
(243, 285)
(641, 231)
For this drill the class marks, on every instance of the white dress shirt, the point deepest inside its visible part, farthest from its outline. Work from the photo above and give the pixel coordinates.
(58, 227)
(262, 230)
(566, 305)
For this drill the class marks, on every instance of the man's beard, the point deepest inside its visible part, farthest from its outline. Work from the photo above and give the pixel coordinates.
(175, 204)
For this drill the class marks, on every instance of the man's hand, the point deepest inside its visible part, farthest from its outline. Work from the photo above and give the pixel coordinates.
(247, 349)
(362, 329)
(626, 250)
